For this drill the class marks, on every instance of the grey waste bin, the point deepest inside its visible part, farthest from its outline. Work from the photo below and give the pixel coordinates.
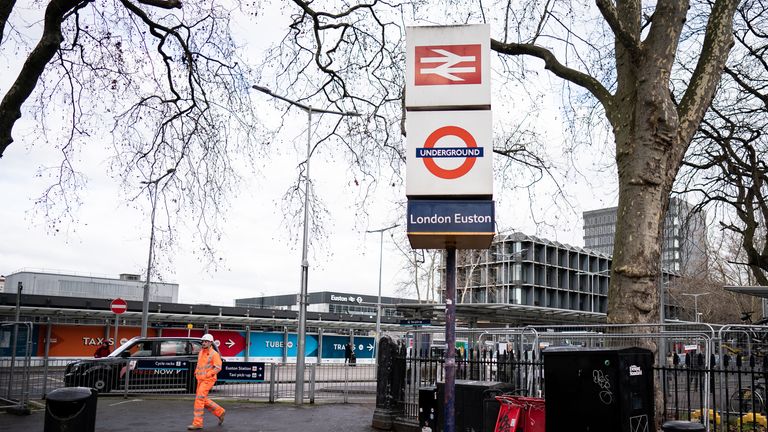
(70, 409)
(679, 425)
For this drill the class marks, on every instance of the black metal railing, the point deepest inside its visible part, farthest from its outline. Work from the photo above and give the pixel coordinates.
(728, 394)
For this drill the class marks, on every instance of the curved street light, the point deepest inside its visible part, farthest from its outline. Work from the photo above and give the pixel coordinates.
(378, 303)
(145, 300)
(299, 394)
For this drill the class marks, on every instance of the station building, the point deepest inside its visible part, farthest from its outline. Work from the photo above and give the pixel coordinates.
(52, 283)
(526, 280)
(329, 302)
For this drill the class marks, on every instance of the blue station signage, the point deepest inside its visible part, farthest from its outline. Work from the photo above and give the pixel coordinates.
(436, 224)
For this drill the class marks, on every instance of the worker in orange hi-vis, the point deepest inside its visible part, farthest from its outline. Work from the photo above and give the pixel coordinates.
(208, 367)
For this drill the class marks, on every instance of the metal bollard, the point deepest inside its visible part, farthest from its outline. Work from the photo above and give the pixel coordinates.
(346, 383)
(312, 373)
(272, 377)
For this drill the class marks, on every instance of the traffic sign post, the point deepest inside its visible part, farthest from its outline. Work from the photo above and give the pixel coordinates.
(118, 306)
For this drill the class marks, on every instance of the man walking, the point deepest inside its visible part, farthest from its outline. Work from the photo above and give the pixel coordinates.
(208, 367)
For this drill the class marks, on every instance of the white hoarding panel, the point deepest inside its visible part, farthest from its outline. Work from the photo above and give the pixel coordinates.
(448, 66)
(450, 153)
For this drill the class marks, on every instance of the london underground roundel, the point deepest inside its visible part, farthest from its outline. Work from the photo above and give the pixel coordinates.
(470, 153)
(449, 153)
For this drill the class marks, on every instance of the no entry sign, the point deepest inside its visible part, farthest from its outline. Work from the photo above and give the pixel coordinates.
(449, 154)
(118, 306)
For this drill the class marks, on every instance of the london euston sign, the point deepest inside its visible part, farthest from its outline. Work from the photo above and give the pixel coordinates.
(464, 224)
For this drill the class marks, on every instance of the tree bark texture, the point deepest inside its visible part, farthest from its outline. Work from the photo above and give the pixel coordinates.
(652, 133)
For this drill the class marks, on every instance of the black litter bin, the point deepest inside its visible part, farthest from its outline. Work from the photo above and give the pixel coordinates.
(70, 409)
(679, 426)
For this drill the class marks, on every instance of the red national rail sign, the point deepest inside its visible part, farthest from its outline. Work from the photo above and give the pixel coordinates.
(118, 306)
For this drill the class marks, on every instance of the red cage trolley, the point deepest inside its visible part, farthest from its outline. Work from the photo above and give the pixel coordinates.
(520, 414)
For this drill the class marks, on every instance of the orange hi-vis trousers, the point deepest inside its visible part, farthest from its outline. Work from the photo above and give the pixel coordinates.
(202, 402)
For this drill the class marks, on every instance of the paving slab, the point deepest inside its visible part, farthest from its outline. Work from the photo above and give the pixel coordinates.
(139, 414)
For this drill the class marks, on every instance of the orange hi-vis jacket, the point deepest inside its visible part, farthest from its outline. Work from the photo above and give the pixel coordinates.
(208, 365)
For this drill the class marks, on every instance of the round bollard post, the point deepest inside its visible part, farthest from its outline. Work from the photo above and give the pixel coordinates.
(387, 387)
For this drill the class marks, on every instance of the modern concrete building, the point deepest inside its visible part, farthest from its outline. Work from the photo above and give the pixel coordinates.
(127, 286)
(327, 302)
(525, 270)
(526, 280)
(685, 236)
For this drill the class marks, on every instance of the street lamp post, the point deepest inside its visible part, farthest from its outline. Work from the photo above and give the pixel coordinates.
(145, 300)
(695, 304)
(299, 394)
(378, 303)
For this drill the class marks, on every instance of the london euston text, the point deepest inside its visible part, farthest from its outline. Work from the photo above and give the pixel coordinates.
(448, 219)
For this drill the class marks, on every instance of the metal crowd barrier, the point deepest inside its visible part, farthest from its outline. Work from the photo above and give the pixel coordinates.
(276, 381)
(16, 368)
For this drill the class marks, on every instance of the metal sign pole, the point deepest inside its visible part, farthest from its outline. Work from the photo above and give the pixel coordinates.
(450, 338)
(117, 326)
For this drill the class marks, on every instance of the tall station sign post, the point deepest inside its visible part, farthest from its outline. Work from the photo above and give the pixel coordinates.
(449, 166)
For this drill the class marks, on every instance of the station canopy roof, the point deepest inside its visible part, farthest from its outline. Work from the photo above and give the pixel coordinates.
(757, 291)
(494, 314)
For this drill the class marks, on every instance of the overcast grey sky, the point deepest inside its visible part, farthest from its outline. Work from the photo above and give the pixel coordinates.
(259, 257)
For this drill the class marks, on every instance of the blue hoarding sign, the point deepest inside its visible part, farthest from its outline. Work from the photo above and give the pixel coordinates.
(364, 347)
(333, 347)
(272, 345)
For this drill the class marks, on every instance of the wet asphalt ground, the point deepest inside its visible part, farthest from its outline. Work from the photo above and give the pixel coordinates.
(160, 415)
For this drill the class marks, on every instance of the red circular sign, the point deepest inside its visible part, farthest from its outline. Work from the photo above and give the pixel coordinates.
(118, 306)
(450, 174)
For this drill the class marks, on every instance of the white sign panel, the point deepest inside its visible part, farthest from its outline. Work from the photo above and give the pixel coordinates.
(449, 153)
(448, 66)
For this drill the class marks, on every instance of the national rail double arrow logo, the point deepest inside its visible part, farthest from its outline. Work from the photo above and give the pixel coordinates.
(447, 65)
(429, 152)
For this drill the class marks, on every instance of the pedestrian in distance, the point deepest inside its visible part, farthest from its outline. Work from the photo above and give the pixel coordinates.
(102, 351)
(206, 372)
(347, 352)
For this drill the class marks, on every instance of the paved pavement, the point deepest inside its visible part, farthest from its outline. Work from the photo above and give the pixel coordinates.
(160, 415)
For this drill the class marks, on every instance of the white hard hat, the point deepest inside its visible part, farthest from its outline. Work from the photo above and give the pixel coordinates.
(207, 337)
